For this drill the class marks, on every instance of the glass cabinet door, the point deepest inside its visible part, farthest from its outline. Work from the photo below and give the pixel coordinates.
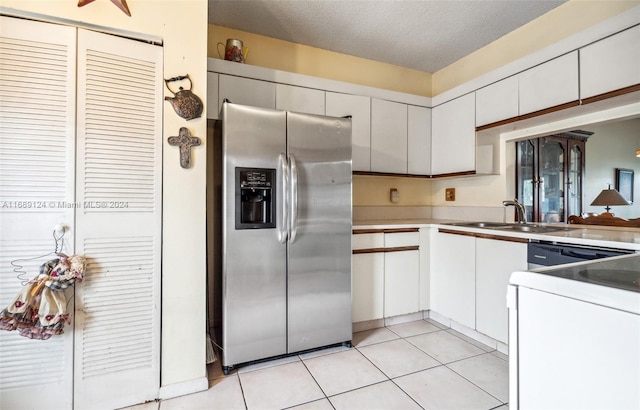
(552, 166)
(527, 185)
(549, 173)
(575, 173)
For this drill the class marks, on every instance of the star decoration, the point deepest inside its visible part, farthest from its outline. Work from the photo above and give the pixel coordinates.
(121, 4)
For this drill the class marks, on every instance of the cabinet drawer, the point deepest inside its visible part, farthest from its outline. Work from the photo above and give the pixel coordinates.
(367, 241)
(394, 240)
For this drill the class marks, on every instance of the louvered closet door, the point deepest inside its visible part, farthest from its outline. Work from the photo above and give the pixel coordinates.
(119, 170)
(37, 134)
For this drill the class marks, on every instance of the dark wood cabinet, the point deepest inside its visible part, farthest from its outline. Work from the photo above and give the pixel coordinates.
(549, 176)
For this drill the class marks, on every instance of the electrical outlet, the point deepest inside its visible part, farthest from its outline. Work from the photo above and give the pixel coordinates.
(394, 195)
(449, 194)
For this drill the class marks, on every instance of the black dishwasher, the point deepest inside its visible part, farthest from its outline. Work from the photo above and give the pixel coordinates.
(541, 254)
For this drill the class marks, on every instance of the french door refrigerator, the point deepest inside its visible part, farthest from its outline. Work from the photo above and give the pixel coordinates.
(286, 226)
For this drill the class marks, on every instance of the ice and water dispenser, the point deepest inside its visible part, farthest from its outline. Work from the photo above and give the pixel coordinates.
(255, 198)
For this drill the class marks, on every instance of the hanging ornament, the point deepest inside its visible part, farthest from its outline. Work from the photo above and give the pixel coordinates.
(185, 103)
(121, 4)
(39, 310)
(185, 141)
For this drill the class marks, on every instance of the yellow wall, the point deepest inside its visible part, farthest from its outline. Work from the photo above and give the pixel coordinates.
(296, 58)
(561, 22)
(374, 191)
(183, 27)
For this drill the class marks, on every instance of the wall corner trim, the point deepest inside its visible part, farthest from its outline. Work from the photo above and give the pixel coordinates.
(183, 388)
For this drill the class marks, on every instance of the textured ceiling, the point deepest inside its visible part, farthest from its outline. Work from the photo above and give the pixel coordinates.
(425, 35)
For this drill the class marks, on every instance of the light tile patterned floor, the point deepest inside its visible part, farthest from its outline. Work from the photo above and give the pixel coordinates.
(415, 365)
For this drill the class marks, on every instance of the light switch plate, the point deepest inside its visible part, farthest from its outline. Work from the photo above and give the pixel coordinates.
(449, 194)
(394, 195)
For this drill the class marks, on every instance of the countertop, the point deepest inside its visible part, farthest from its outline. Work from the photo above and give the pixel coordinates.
(612, 282)
(604, 236)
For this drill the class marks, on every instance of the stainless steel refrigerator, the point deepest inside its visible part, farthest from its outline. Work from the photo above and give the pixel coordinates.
(286, 233)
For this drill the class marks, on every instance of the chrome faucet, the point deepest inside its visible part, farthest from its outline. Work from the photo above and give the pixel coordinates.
(519, 209)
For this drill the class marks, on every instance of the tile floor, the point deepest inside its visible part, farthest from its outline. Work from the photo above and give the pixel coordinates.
(414, 365)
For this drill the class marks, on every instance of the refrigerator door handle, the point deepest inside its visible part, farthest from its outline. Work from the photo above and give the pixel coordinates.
(293, 227)
(283, 168)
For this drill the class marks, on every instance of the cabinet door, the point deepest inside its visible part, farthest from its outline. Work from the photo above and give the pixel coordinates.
(418, 140)
(610, 64)
(453, 279)
(246, 91)
(213, 107)
(495, 261)
(388, 137)
(549, 84)
(37, 190)
(368, 286)
(453, 146)
(359, 108)
(425, 268)
(497, 102)
(299, 99)
(401, 278)
(119, 164)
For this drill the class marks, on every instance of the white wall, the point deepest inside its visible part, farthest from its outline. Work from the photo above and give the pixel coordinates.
(613, 145)
(182, 25)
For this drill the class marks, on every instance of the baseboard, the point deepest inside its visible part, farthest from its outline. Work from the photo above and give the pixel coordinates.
(183, 388)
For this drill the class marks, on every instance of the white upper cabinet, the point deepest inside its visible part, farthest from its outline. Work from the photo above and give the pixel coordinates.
(549, 84)
(213, 109)
(610, 64)
(453, 140)
(246, 91)
(497, 101)
(359, 108)
(388, 137)
(418, 140)
(299, 99)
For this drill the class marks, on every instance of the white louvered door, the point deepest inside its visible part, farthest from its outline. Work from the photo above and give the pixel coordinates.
(119, 176)
(98, 173)
(37, 142)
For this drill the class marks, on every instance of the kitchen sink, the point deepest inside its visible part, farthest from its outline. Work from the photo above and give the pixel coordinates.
(490, 225)
(517, 227)
(536, 228)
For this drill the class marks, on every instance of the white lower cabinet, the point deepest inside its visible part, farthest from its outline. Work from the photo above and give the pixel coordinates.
(368, 287)
(495, 261)
(385, 273)
(453, 281)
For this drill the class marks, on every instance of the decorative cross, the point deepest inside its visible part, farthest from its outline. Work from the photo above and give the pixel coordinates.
(185, 141)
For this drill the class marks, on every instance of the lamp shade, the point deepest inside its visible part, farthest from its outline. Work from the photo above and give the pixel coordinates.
(609, 197)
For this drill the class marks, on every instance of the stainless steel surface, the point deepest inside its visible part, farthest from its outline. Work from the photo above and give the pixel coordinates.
(544, 254)
(319, 289)
(518, 227)
(283, 225)
(293, 231)
(287, 289)
(254, 262)
(519, 208)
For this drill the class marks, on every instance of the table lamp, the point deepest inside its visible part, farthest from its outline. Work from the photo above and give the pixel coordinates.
(608, 197)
